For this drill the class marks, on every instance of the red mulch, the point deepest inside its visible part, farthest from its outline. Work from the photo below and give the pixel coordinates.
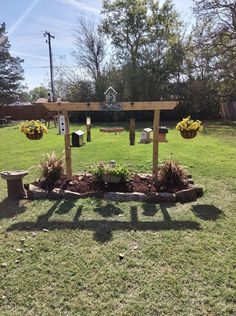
(85, 183)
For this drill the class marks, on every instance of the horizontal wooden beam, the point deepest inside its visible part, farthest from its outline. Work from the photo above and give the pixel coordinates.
(125, 106)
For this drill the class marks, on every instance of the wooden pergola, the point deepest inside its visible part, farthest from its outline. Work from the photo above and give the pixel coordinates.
(156, 106)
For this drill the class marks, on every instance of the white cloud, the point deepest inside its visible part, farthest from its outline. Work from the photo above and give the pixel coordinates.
(29, 55)
(22, 17)
(79, 5)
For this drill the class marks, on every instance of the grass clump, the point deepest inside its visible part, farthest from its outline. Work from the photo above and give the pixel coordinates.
(172, 174)
(51, 168)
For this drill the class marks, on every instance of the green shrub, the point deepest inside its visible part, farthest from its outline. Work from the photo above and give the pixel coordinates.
(51, 168)
(172, 174)
(103, 169)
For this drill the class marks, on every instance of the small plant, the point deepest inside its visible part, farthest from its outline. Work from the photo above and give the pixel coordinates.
(172, 174)
(51, 168)
(189, 125)
(32, 127)
(101, 169)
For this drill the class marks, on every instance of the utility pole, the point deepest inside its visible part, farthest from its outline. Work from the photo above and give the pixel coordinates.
(48, 41)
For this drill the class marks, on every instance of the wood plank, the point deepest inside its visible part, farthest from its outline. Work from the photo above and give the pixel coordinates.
(132, 131)
(67, 147)
(156, 123)
(126, 106)
(88, 128)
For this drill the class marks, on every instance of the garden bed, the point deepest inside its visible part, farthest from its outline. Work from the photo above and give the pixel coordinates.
(140, 187)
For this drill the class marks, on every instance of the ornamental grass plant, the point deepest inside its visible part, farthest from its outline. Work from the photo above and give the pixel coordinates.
(51, 168)
(172, 174)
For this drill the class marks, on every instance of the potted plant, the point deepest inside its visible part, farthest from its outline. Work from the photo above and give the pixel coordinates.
(33, 129)
(110, 174)
(188, 128)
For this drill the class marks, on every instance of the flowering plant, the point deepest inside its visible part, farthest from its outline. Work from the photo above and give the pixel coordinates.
(189, 125)
(33, 127)
(101, 169)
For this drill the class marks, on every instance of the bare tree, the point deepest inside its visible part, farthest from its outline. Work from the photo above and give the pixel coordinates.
(90, 48)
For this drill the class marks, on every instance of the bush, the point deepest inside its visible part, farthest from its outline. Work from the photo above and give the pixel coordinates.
(102, 169)
(51, 168)
(172, 174)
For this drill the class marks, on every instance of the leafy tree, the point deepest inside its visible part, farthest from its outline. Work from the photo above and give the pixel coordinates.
(11, 72)
(38, 92)
(145, 36)
(218, 20)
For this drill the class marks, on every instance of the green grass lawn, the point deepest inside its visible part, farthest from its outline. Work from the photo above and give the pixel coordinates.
(62, 257)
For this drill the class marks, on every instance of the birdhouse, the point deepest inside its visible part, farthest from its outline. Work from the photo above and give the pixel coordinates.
(110, 95)
(146, 136)
(77, 138)
(163, 130)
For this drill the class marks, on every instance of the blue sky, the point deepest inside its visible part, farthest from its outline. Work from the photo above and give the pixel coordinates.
(27, 20)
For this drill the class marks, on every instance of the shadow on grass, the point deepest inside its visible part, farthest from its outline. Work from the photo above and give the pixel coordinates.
(207, 212)
(108, 210)
(150, 209)
(64, 207)
(103, 229)
(10, 208)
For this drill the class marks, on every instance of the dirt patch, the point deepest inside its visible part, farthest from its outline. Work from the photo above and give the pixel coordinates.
(85, 184)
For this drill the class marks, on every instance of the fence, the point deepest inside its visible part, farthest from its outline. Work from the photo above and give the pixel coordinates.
(26, 112)
(228, 111)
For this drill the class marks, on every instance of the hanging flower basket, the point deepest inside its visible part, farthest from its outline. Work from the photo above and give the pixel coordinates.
(33, 130)
(188, 134)
(34, 136)
(188, 128)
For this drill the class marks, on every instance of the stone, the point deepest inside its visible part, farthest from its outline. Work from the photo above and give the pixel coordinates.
(161, 197)
(4, 265)
(56, 194)
(36, 193)
(166, 197)
(74, 182)
(121, 256)
(190, 181)
(124, 197)
(198, 190)
(187, 195)
(19, 250)
(152, 197)
(70, 195)
(144, 176)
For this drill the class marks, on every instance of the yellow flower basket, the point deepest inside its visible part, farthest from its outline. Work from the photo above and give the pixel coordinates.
(34, 136)
(33, 130)
(188, 128)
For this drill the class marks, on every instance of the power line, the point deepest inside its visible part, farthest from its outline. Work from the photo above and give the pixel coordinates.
(63, 67)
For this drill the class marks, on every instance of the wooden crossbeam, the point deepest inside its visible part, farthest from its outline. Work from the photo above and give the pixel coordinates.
(65, 107)
(125, 106)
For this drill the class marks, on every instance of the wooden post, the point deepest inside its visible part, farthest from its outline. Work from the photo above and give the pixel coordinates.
(156, 122)
(67, 146)
(132, 131)
(88, 128)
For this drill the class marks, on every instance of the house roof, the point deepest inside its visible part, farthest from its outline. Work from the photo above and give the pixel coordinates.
(148, 130)
(110, 88)
(41, 100)
(79, 132)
